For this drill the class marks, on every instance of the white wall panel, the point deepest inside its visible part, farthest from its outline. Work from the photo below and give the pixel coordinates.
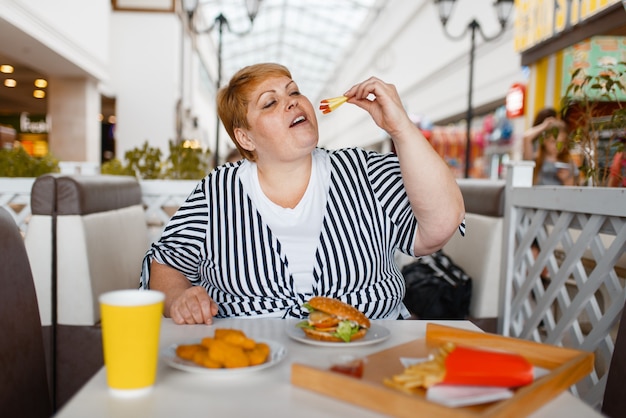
(145, 68)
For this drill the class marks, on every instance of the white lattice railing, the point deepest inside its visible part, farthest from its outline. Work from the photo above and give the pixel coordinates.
(571, 292)
(15, 197)
(161, 198)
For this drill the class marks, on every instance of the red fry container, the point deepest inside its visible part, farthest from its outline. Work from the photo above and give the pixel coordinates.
(470, 366)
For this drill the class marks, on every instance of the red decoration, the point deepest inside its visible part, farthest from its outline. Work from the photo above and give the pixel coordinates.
(515, 99)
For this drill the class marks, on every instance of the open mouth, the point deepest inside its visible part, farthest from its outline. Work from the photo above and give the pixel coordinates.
(297, 121)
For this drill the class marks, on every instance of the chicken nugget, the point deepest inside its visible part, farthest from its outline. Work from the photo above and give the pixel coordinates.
(235, 337)
(187, 351)
(218, 350)
(259, 354)
(206, 342)
(229, 355)
(220, 333)
(202, 358)
(236, 358)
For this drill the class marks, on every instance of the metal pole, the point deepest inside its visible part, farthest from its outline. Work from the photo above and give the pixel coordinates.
(220, 20)
(470, 113)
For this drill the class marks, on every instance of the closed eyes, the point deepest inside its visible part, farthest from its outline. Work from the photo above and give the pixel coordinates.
(273, 102)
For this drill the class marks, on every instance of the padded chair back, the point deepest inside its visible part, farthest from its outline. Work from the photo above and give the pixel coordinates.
(614, 403)
(87, 235)
(23, 379)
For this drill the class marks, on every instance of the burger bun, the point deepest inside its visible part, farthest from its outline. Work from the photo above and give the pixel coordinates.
(340, 309)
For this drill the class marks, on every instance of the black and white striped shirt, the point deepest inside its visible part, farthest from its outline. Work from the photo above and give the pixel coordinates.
(218, 240)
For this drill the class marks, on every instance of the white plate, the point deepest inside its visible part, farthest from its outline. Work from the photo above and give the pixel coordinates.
(277, 353)
(375, 335)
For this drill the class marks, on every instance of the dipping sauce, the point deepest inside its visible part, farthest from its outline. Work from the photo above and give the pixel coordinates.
(348, 365)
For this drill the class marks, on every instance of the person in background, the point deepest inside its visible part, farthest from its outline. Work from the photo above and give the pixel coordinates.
(547, 143)
(291, 220)
(617, 173)
(547, 118)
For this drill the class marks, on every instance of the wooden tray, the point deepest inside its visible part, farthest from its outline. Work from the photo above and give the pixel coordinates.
(567, 366)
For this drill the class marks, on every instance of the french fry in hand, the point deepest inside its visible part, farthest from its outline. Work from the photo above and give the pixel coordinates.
(465, 366)
(328, 105)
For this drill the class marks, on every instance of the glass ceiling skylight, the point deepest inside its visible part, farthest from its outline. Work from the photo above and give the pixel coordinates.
(310, 37)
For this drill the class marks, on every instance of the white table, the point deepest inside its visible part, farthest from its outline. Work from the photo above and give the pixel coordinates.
(266, 393)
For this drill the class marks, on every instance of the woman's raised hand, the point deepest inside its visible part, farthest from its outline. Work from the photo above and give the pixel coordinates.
(382, 101)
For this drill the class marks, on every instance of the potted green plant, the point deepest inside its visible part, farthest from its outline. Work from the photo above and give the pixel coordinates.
(593, 107)
(16, 162)
(146, 163)
(142, 162)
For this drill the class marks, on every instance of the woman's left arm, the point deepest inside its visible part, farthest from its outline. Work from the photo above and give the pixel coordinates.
(434, 194)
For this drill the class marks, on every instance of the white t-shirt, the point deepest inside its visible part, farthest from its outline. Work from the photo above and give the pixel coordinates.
(297, 229)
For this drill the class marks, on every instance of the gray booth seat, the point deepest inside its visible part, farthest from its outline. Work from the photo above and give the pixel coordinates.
(23, 384)
(87, 235)
(479, 251)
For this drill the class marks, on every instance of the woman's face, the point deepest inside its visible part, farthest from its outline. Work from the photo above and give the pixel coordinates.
(553, 145)
(283, 125)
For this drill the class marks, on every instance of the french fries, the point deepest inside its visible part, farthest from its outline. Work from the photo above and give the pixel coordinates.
(228, 348)
(328, 105)
(463, 365)
(422, 375)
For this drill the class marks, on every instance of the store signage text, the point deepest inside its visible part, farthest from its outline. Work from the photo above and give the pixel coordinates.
(539, 20)
(28, 125)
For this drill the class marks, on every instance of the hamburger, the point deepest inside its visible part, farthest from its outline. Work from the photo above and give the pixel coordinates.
(333, 320)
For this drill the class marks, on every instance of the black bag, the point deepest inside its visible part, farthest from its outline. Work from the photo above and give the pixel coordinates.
(436, 288)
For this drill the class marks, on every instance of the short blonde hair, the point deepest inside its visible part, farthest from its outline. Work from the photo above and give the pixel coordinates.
(233, 99)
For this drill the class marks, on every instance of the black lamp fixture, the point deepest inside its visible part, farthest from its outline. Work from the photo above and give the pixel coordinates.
(191, 7)
(503, 10)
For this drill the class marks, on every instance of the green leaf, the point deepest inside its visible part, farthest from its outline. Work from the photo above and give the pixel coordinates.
(304, 324)
(345, 330)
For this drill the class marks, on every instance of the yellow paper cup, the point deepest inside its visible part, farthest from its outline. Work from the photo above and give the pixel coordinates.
(131, 322)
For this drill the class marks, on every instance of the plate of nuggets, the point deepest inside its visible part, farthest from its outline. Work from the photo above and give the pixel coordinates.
(227, 352)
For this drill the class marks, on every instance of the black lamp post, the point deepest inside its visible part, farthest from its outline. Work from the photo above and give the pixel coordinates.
(503, 10)
(191, 7)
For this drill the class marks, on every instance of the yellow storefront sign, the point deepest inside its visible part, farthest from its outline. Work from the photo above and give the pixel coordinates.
(539, 20)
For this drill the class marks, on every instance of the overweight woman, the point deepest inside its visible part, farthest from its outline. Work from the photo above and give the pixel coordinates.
(261, 236)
